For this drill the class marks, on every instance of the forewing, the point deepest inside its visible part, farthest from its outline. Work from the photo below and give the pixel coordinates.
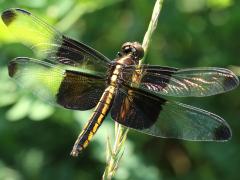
(195, 82)
(70, 89)
(168, 119)
(51, 45)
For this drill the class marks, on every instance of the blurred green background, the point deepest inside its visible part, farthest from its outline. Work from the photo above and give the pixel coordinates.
(36, 138)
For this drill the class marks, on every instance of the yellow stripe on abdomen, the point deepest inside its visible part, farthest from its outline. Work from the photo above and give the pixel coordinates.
(98, 116)
(95, 121)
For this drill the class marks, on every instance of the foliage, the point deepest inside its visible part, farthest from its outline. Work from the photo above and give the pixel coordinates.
(36, 138)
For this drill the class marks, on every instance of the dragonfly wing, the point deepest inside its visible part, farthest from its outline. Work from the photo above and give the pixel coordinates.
(51, 45)
(67, 88)
(195, 82)
(168, 119)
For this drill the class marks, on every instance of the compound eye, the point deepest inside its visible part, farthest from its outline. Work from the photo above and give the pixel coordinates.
(127, 49)
(134, 48)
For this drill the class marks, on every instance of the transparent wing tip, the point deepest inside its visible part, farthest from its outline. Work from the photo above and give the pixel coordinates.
(13, 65)
(10, 15)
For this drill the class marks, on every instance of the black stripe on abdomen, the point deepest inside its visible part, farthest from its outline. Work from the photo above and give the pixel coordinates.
(93, 124)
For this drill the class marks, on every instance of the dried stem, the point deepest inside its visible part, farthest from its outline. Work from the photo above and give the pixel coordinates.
(115, 153)
(151, 27)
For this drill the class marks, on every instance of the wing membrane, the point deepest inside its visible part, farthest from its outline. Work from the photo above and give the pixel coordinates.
(168, 81)
(68, 88)
(157, 117)
(50, 44)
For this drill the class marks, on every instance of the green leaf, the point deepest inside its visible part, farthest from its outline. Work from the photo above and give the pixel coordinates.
(219, 3)
(40, 111)
(20, 109)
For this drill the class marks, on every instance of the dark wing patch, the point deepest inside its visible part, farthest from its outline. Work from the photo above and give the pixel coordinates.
(12, 68)
(8, 17)
(70, 89)
(134, 109)
(79, 91)
(67, 55)
(168, 119)
(222, 132)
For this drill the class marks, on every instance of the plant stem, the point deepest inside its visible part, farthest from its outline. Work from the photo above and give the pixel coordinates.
(115, 154)
(151, 27)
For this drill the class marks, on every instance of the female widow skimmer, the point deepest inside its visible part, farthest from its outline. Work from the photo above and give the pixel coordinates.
(75, 76)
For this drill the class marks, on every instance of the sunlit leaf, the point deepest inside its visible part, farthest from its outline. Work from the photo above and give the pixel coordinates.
(40, 111)
(19, 110)
(81, 8)
(32, 4)
(191, 5)
(7, 173)
(219, 3)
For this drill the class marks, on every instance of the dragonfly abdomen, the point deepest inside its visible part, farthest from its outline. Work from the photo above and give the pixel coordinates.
(95, 121)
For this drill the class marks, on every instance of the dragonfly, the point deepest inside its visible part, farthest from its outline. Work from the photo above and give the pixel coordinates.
(75, 76)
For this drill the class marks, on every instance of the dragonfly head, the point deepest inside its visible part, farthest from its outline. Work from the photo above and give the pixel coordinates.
(133, 48)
